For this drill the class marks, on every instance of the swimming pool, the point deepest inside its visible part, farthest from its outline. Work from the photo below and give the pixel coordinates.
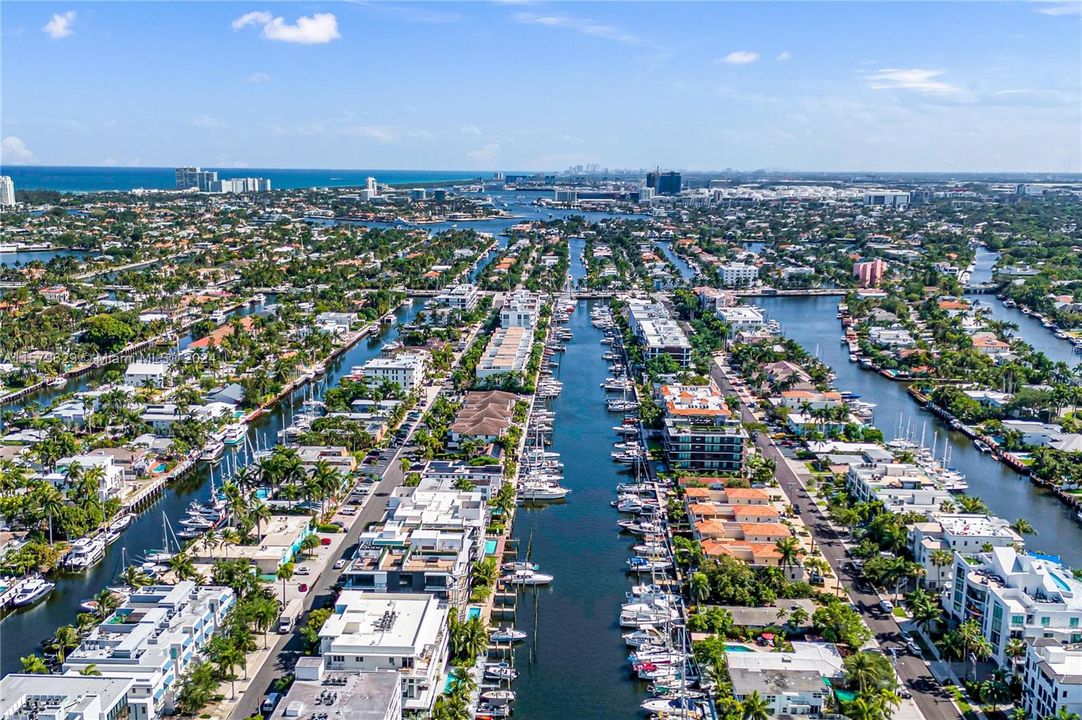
(737, 648)
(490, 547)
(473, 612)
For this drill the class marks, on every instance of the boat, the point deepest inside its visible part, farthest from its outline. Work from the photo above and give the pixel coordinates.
(519, 565)
(498, 697)
(674, 707)
(507, 635)
(981, 445)
(620, 405)
(122, 522)
(536, 491)
(639, 564)
(527, 577)
(85, 552)
(213, 451)
(59, 381)
(91, 605)
(645, 637)
(33, 590)
(500, 671)
(234, 433)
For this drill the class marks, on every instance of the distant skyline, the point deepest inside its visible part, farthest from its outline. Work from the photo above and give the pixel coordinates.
(799, 86)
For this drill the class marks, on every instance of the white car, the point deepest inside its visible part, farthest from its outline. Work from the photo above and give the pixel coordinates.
(886, 606)
(303, 570)
(339, 564)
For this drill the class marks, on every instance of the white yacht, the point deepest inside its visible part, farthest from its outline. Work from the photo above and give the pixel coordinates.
(85, 552)
(527, 577)
(541, 491)
(234, 433)
(33, 590)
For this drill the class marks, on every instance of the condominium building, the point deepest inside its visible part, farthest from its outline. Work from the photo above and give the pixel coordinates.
(405, 632)
(316, 694)
(428, 543)
(1052, 679)
(700, 431)
(508, 351)
(72, 697)
(7, 191)
(901, 487)
(406, 369)
(742, 318)
(1015, 595)
(887, 198)
(956, 532)
(151, 640)
(870, 273)
(462, 297)
(737, 274)
(521, 309)
(659, 333)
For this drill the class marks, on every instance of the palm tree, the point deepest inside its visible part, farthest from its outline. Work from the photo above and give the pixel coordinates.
(1022, 527)
(789, 551)
(182, 566)
(699, 586)
(755, 707)
(50, 500)
(258, 513)
(284, 572)
(91, 670)
(106, 602)
(309, 543)
(33, 664)
(66, 638)
(1015, 650)
(134, 577)
(865, 671)
(1063, 714)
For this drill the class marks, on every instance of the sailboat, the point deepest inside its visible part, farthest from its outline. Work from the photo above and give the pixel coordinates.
(165, 554)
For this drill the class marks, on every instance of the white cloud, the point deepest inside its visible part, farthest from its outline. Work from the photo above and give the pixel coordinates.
(784, 55)
(13, 150)
(60, 25)
(209, 122)
(739, 57)
(488, 154)
(918, 79)
(581, 25)
(1060, 7)
(308, 30)
(373, 132)
(258, 77)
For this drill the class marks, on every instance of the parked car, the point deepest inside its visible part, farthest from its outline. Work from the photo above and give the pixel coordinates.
(339, 564)
(886, 606)
(303, 570)
(269, 703)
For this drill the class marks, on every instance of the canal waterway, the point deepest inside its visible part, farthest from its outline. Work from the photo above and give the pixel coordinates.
(22, 631)
(574, 664)
(812, 322)
(681, 264)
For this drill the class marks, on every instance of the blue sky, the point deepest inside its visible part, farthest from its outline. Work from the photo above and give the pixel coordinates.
(914, 86)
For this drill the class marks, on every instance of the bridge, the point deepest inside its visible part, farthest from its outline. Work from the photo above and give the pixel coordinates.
(985, 288)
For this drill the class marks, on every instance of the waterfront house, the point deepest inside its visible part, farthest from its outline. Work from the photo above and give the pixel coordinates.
(485, 415)
(375, 695)
(152, 639)
(956, 532)
(1052, 679)
(110, 483)
(338, 457)
(443, 474)
(74, 697)
(279, 543)
(161, 418)
(1015, 595)
(143, 374)
(404, 632)
(786, 692)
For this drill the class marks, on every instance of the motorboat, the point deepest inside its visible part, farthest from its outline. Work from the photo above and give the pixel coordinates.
(682, 707)
(85, 552)
(234, 433)
(33, 590)
(527, 577)
(58, 381)
(621, 405)
(498, 698)
(500, 671)
(640, 527)
(213, 451)
(644, 637)
(121, 522)
(91, 605)
(640, 564)
(542, 491)
(507, 635)
(519, 565)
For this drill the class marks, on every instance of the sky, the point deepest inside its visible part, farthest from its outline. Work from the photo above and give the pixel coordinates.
(916, 86)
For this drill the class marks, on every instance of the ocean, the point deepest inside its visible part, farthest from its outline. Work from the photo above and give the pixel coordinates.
(93, 179)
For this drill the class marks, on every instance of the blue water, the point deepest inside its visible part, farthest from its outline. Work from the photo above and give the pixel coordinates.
(91, 179)
(737, 648)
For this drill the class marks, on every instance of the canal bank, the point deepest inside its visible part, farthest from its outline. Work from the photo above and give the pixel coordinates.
(574, 663)
(21, 632)
(812, 322)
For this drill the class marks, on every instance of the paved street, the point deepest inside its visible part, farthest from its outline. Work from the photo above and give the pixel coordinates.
(289, 647)
(934, 703)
